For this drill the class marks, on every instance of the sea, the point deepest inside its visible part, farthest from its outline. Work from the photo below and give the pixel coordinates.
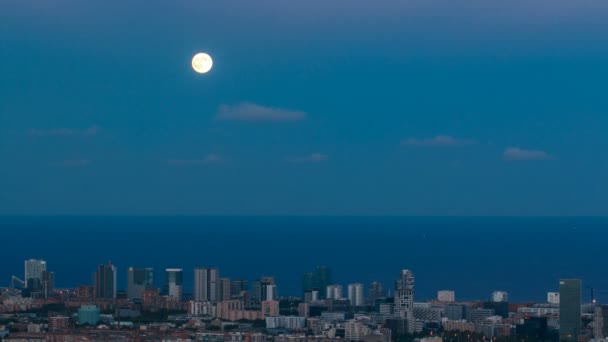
(525, 256)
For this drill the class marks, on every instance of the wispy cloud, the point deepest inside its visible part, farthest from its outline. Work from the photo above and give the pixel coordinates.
(75, 163)
(516, 153)
(438, 141)
(64, 132)
(208, 159)
(247, 111)
(311, 158)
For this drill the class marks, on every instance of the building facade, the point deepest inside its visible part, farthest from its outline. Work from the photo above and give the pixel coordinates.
(33, 271)
(446, 296)
(139, 280)
(569, 309)
(404, 299)
(105, 282)
(334, 292)
(174, 282)
(355, 294)
(207, 285)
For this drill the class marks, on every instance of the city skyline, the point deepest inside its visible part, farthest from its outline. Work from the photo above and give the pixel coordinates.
(140, 279)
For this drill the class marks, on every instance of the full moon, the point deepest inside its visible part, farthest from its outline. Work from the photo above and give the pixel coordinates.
(202, 63)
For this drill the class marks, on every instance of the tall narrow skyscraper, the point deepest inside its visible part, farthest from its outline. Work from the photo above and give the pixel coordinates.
(271, 292)
(404, 299)
(206, 285)
(33, 271)
(569, 309)
(139, 280)
(225, 289)
(355, 294)
(48, 283)
(173, 285)
(105, 282)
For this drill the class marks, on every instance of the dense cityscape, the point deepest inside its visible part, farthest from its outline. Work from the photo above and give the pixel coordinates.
(220, 309)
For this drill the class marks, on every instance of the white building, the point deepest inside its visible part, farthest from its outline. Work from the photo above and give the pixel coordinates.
(286, 322)
(500, 296)
(334, 292)
(553, 298)
(447, 296)
(34, 269)
(175, 278)
(355, 294)
(201, 309)
(355, 331)
(538, 311)
(271, 292)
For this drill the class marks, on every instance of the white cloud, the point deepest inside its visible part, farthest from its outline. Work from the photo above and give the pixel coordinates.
(247, 111)
(208, 159)
(516, 153)
(437, 141)
(64, 132)
(311, 158)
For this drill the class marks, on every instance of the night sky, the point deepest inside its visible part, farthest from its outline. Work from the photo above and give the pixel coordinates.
(413, 107)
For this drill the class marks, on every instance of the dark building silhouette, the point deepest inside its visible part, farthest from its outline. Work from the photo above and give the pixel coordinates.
(317, 280)
(105, 281)
(569, 309)
(533, 329)
(500, 308)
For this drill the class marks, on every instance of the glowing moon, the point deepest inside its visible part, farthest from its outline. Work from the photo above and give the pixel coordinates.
(202, 63)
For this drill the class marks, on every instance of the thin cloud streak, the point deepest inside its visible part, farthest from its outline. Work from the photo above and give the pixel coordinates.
(64, 132)
(516, 153)
(438, 141)
(247, 111)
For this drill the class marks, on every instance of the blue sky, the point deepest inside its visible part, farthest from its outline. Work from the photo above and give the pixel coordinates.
(313, 107)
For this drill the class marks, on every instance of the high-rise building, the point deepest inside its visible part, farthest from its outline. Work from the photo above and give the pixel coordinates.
(569, 309)
(308, 282)
(260, 291)
(271, 292)
(334, 292)
(225, 289)
(446, 296)
(499, 296)
(553, 298)
(355, 294)
(33, 270)
(48, 283)
(105, 282)
(598, 324)
(404, 299)
(207, 285)
(317, 280)
(174, 283)
(376, 291)
(238, 286)
(139, 280)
